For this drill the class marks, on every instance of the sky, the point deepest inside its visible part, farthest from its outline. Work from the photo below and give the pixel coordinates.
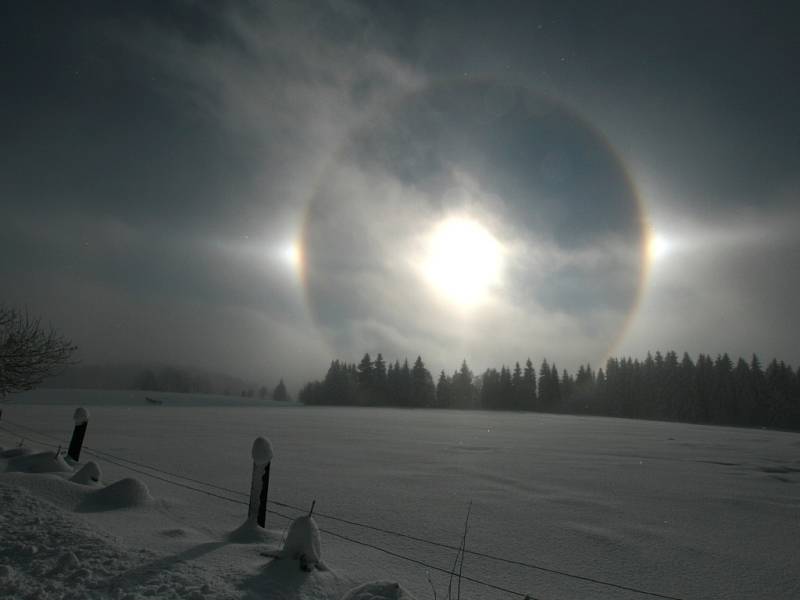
(260, 187)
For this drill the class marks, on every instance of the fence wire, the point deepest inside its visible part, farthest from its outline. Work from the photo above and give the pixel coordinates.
(136, 467)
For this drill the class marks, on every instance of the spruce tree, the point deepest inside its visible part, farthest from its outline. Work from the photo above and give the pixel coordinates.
(518, 388)
(443, 391)
(280, 394)
(545, 386)
(464, 395)
(529, 383)
(423, 392)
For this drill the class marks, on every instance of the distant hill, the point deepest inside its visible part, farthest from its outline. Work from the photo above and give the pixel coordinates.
(161, 378)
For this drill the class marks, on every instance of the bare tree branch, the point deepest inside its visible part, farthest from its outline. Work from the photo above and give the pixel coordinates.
(29, 352)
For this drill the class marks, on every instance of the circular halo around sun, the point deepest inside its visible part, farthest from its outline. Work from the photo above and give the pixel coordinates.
(474, 211)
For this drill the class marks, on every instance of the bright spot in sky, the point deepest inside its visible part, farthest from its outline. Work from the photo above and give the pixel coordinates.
(293, 256)
(658, 247)
(462, 261)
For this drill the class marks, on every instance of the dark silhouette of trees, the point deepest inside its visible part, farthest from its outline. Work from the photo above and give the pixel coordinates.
(373, 384)
(379, 381)
(709, 389)
(183, 381)
(423, 392)
(279, 393)
(147, 381)
(528, 392)
(549, 387)
(444, 392)
(29, 351)
(464, 393)
(365, 371)
(490, 389)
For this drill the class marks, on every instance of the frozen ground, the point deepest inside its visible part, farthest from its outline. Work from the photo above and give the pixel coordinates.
(689, 511)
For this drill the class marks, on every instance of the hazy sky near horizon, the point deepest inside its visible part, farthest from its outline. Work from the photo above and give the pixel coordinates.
(258, 188)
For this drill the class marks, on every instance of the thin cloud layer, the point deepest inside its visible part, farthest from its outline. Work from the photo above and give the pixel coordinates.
(165, 159)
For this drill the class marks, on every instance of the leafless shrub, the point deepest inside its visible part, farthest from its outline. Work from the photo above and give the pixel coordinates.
(29, 351)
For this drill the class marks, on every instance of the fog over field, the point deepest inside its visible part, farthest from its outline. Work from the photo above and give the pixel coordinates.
(682, 510)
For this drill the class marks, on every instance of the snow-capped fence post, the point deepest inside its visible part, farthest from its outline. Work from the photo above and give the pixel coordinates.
(81, 418)
(262, 458)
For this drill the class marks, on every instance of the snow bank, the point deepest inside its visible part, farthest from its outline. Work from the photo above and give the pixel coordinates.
(125, 493)
(302, 543)
(262, 451)
(378, 590)
(88, 474)
(41, 462)
(80, 416)
(251, 532)
(46, 552)
(14, 452)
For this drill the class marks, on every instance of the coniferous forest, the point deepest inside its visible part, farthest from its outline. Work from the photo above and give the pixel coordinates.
(662, 386)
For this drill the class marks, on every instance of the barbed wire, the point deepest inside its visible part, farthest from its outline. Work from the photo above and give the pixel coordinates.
(289, 518)
(118, 461)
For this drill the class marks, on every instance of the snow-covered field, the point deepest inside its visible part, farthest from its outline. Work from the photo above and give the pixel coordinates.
(687, 511)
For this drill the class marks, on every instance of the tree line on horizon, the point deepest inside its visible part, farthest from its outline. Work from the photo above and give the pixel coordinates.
(662, 386)
(174, 379)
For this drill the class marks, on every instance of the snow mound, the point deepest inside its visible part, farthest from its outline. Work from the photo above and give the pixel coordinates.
(89, 474)
(67, 561)
(41, 462)
(14, 452)
(378, 590)
(125, 493)
(262, 451)
(48, 553)
(177, 532)
(251, 532)
(80, 416)
(302, 543)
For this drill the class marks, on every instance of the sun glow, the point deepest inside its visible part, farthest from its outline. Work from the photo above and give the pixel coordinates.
(462, 261)
(658, 247)
(293, 255)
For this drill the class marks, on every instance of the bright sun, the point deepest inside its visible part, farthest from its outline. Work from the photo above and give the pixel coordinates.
(292, 255)
(657, 247)
(462, 261)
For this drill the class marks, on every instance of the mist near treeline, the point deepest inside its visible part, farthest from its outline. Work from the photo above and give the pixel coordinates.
(662, 386)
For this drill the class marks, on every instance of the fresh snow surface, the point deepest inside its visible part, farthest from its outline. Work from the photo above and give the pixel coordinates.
(125, 493)
(696, 512)
(303, 543)
(80, 416)
(262, 451)
(378, 590)
(47, 552)
(50, 550)
(87, 474)
(39, 462)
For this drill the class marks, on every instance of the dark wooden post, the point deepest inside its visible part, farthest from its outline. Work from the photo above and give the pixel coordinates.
(81, 418)
(259, 486)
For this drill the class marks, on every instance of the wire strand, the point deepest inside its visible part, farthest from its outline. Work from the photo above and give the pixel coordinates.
(428, 565)
(530, 565)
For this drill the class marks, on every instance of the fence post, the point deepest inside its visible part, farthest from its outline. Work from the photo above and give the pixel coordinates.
(259, 486)
(81, 418)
